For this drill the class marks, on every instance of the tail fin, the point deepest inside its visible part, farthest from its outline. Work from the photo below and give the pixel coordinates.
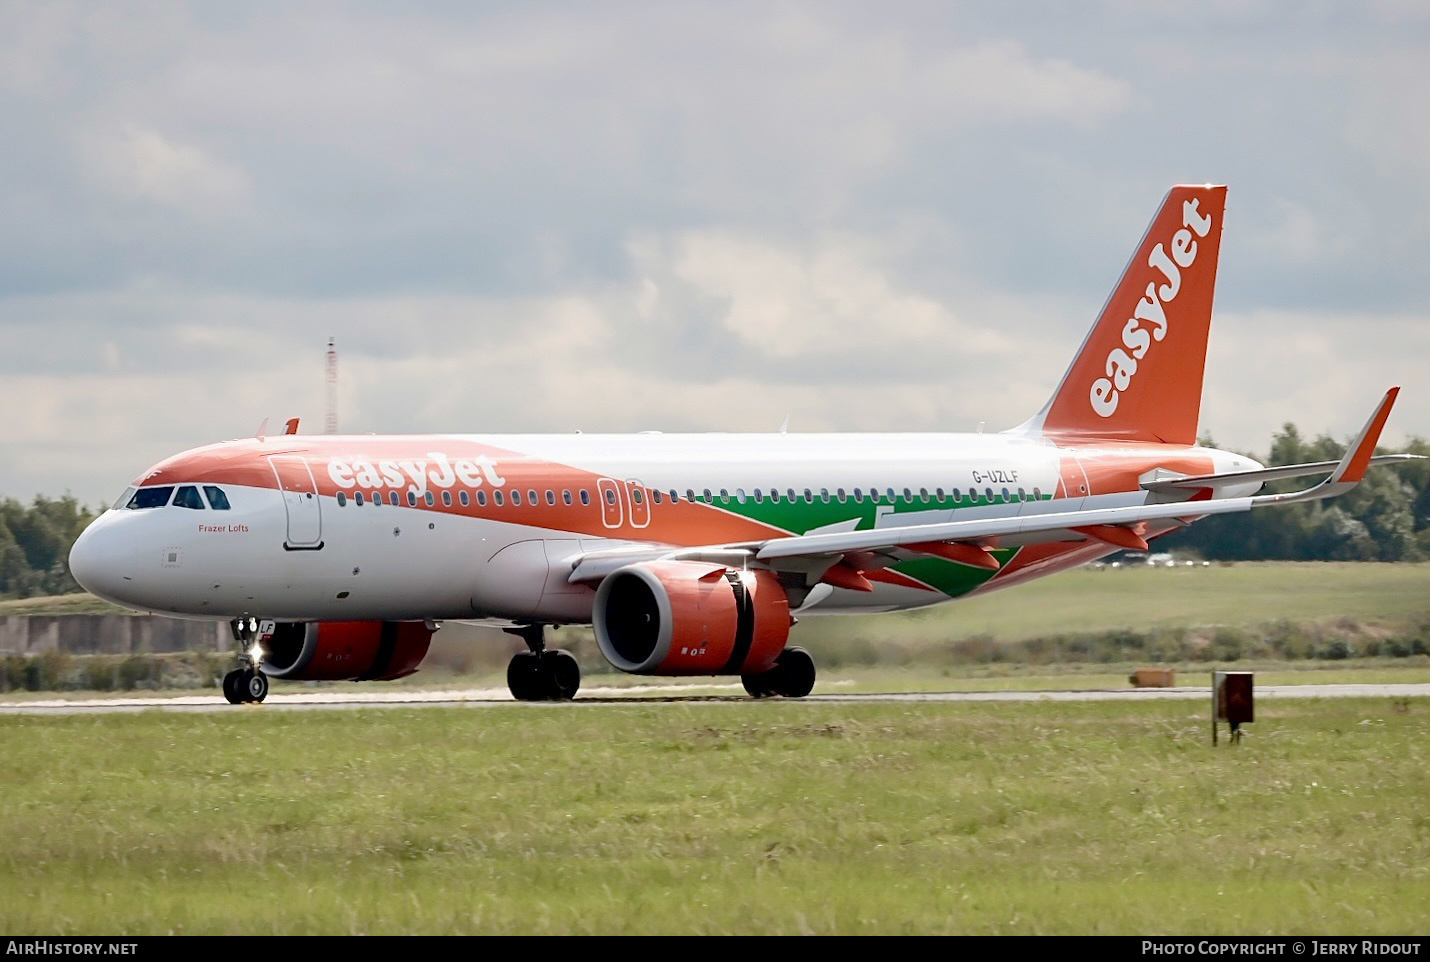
(1138, 375)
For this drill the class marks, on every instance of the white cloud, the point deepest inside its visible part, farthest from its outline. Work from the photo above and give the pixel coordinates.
(143, 164)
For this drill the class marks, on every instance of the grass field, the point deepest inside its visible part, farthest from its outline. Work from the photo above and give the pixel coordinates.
(1093, 600)
(728, 817)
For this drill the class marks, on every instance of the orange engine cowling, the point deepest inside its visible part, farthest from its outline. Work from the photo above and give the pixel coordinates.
(691, 618)
(345, 650)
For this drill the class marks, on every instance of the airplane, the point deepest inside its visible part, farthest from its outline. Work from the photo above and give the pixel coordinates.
(337, 557)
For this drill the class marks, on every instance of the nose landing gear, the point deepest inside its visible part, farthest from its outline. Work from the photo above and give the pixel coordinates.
(247, 683)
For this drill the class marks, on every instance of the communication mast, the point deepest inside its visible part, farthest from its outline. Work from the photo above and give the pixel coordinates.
(331, 424)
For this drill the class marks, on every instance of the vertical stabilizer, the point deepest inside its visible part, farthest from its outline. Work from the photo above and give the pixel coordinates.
(1138, 376)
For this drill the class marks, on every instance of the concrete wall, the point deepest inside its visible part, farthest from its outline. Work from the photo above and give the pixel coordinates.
(109, 634)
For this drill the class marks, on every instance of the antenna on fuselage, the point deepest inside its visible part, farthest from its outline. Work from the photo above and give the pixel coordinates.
(330, 425)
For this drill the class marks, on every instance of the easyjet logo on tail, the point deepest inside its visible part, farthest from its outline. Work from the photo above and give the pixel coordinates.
(1148, 322)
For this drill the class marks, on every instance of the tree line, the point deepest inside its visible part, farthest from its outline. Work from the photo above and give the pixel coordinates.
(35, 545)
(1386, 518)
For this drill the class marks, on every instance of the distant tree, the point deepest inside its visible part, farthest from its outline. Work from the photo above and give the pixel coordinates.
(1386, 518)
(35, 543)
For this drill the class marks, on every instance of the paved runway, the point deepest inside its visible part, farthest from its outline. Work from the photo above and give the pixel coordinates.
(356, 697)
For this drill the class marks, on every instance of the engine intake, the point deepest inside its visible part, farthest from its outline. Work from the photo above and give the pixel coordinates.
(690, 618)
(345, 650)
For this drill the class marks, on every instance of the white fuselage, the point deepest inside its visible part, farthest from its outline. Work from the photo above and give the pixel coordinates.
(443, 526)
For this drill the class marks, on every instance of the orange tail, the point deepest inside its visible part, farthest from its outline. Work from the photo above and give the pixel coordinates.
(1138, 376)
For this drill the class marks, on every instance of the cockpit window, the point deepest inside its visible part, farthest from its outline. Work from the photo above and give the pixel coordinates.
(123, 500)
(188, 497)
(217, 499)
(151, 497)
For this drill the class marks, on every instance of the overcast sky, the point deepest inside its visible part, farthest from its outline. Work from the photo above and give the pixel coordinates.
(683, 216)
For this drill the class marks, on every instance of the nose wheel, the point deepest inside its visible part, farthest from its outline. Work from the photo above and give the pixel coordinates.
(246, 683)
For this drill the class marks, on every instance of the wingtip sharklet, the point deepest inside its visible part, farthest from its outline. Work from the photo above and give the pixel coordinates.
(1353, 465)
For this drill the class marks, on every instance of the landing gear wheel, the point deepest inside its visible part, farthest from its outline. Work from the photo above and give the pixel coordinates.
(231, 687)
(796, 673)
(540, 674)
(524, 677)
(561, 674)
(792, 676)
(757, 685)
(255, 686)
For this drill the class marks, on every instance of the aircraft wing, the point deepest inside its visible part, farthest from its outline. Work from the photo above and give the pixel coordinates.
(968, 541)
(1194, 482)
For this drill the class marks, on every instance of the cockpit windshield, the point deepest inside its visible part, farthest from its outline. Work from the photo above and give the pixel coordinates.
(151, 497)
(188, 497)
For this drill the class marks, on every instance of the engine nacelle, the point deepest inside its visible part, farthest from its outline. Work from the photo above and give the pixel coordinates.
(345, 650)
(690, 618)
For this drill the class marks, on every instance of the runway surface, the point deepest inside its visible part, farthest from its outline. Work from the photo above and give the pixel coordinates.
(478, 697)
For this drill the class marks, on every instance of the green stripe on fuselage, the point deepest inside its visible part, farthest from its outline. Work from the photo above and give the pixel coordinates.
(800, 517)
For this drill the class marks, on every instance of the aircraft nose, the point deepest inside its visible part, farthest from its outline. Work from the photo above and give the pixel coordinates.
(102, 560)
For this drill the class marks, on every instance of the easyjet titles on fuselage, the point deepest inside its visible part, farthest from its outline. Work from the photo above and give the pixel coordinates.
(1122, 364)
(437, 469)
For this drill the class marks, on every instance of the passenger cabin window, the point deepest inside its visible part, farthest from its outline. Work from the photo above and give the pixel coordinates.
(585, 496)
(342, 499)
(188, 497)
(151, 497)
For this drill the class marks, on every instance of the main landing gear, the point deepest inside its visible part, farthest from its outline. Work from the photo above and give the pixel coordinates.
(247, 682)
(792, 676)
(541, 674)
